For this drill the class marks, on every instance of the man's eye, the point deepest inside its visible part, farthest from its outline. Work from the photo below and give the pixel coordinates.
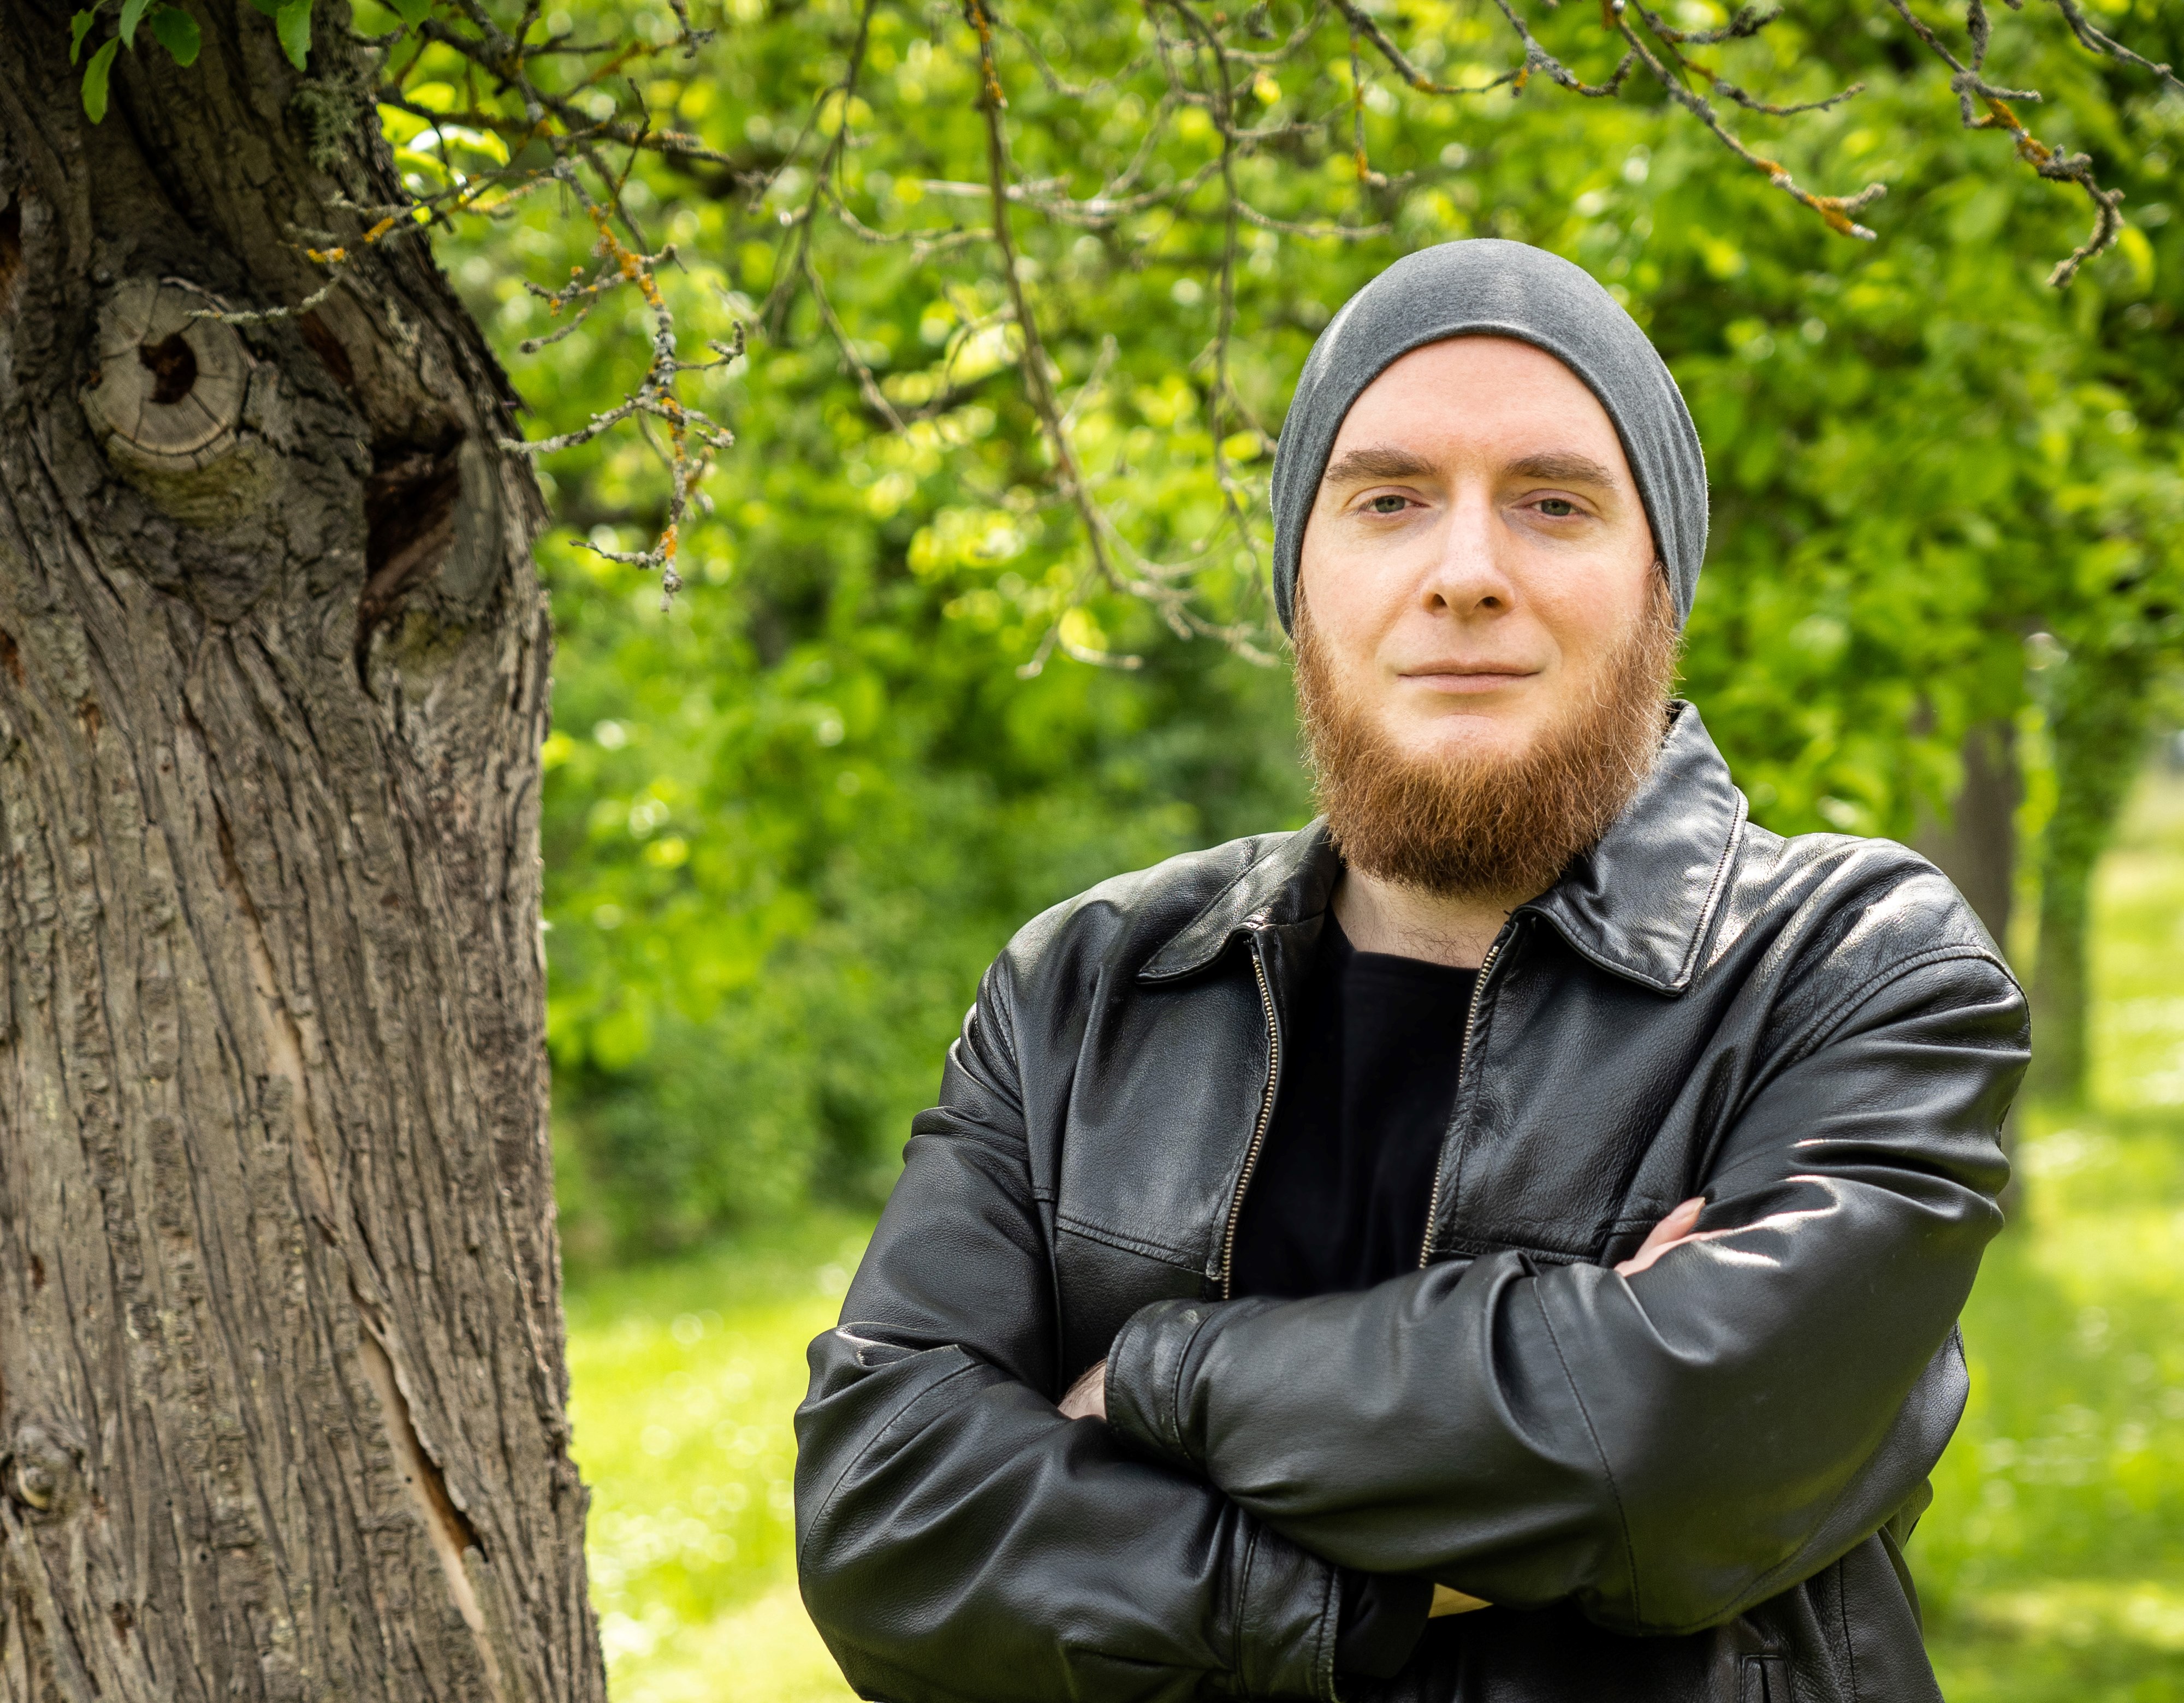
(1556, 506)
(1387, 506)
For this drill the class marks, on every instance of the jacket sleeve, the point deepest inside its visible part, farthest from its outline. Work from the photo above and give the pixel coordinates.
(957, 1537)
(1666, 1449)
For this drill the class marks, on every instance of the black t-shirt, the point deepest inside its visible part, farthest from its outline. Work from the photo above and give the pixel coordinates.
(1339, 1198)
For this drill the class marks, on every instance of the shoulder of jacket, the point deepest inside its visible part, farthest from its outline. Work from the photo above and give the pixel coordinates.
(1850, 909)
(1124, 920)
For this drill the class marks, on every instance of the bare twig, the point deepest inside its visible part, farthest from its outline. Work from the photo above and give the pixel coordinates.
(1838, 211)
(2095, 41)
(693, 440)
(774, 315)
(1985, 107)
(1032, 360)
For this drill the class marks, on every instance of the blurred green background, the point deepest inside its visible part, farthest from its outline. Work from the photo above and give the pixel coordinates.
(790, 817)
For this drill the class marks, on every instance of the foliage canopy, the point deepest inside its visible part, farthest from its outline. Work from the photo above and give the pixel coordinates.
(974, 621)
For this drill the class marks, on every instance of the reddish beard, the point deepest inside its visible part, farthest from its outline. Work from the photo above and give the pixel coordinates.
(1499, 827)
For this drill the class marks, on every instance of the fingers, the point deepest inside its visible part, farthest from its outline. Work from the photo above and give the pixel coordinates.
(1448, 1601)
(1087, 1398)
(1664, 1235)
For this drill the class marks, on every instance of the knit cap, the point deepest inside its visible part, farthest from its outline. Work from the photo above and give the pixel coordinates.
(1487, 288)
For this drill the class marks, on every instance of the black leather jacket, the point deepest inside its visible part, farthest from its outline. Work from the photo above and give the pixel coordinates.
(1691, 1484)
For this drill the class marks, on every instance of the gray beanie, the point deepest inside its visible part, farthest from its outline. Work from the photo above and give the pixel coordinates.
(1490, 287)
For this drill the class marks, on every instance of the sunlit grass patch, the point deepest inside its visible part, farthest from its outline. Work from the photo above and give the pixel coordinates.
(2083, 1612)
(2138, 954)
(2053, 1558)
(2067, 1641)
(685, 1376)
(2070, 1458)
(766, 1651)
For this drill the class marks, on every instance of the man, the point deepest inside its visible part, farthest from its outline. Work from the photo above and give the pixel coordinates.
(1500, 1242)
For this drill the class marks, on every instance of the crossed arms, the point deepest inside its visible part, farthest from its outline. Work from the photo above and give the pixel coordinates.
(1087, 1398)
(1662, 1448)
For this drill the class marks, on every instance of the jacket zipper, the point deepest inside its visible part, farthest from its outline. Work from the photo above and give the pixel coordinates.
(1258, 1130)
(1470, 1023)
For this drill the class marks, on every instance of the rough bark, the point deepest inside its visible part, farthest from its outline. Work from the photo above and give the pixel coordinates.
(282, 1380)
(2097, 719)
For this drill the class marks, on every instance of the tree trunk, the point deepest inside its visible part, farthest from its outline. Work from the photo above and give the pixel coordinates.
(1977, 847)
(2097, 716)
(1977, 850)
(282, 1380)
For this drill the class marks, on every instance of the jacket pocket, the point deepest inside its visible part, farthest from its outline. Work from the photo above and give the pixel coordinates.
(1766, 1679)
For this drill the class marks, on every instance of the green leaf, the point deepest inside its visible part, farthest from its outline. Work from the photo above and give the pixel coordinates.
(132, 13)
(177, 32)
(94, 79)
(411, 11)
(271, 8)
(79, 26)
(293, 22)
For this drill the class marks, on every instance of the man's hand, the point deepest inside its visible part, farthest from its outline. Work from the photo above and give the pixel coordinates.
(1087, 1398)
(1671, 1231)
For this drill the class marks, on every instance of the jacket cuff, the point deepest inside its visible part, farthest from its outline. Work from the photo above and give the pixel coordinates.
(1288, 1605)
(1145, 1378)
(1287, 1601)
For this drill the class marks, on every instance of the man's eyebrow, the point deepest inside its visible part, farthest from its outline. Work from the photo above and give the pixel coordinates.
(1564, 467)
(1378, 461)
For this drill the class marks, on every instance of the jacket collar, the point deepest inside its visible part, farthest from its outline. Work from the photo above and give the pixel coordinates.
(1637, 904)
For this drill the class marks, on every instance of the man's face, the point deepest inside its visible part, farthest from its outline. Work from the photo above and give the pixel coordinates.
(1478, 556)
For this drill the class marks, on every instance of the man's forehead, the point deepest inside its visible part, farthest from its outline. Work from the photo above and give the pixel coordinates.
(1371, 461)
(1471, 382)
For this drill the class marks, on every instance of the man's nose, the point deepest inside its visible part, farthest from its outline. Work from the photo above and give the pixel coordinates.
(1465, 576)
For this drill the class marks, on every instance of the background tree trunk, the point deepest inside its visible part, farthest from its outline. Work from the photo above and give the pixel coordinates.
(282, 1379)
(1977, 847)
(1977, 850)
(2097, 720)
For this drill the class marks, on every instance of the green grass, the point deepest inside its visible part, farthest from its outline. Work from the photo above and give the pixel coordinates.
(2053, 1561)
(684, 1378)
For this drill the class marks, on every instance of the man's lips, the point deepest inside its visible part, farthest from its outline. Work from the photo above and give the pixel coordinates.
(1461, 677)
